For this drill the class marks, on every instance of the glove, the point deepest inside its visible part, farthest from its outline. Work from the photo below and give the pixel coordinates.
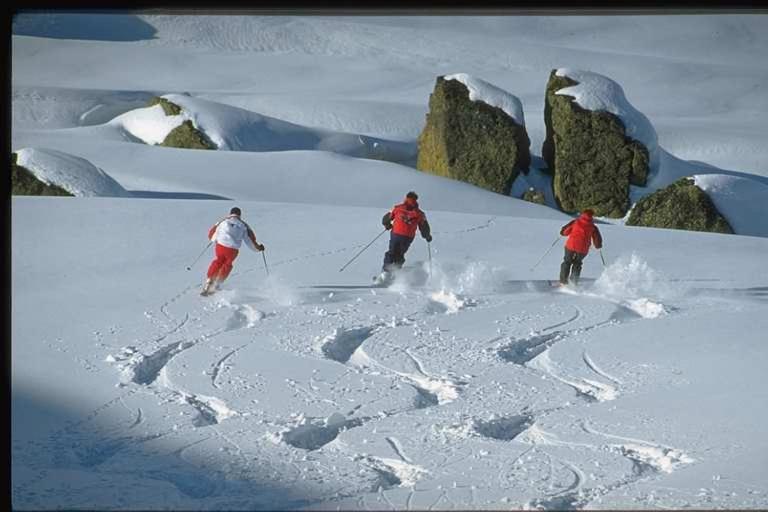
(428, 238)
(388, 226)
(260, 247)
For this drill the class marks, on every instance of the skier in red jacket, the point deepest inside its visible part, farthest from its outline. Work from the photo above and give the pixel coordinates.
(581, 233)
(403, 220)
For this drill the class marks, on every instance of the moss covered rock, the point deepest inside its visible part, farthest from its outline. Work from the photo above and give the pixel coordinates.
(471, 141)
(170, 108)
(184, 136)
(681, 205)
(534, 196)
(589, 154)
(188, 137)
(25, 183)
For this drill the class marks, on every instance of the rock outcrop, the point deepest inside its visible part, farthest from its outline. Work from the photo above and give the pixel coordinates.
(596, 143)
(24, 182)
(681, 205)
(474, 133)
(534, 196)
(184, 136)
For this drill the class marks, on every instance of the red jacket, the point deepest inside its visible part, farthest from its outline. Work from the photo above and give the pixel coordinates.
(405, 221)
(581, 233)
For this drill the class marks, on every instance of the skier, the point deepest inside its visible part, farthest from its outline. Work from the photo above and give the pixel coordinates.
(229, 233)
(581, 233)
(402, 220)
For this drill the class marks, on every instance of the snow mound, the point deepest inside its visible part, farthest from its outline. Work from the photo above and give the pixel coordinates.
(742, 201)
(234, 129)
(149, 124)
(598, 92)
(659, 458)
(480, 90)
(74, 174)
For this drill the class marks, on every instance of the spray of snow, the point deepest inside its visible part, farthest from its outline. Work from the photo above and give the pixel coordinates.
(280, 292)
(480, 90)
(452, 303)
(629, 281)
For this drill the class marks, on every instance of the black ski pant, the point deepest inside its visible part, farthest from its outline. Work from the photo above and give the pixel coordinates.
(395, 257)
(571, 266)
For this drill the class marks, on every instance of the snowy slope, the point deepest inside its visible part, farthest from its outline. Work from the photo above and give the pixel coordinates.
(478, 387)
(482, 387)
(76, 175)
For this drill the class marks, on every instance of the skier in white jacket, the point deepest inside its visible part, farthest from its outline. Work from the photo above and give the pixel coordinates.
(229, 234)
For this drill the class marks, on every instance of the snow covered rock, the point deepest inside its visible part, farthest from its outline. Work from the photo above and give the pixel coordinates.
(75, 175)
(597, 143)
(742, 201)
(475, 132)
(183, 121)
(165, 123)
(25, 183)
(681, 205)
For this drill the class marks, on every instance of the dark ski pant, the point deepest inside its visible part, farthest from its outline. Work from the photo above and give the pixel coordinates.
(395, 256)
(571, 266)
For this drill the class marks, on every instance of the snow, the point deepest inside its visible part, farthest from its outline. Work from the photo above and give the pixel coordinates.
(76, 175)
(600, 93)
(235, 129)
(480, 90)
(149, 124)
(742, 201)
(471, 382)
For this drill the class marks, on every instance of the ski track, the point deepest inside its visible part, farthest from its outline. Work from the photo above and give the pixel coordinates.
(218, 366)
(649, 460)
(346, 346)
(592, 366)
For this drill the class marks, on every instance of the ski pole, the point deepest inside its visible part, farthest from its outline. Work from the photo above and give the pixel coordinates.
(264, 256)
(545, 254)
(429, 251)
(361, 251)
(601, 256)
(189, 267)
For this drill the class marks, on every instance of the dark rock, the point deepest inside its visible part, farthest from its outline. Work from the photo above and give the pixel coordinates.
(681, 205)
(592, 159)
(471, 141)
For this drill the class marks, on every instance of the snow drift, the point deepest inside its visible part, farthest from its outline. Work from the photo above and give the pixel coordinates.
(742, 201)
(74, 174)
(235, 129)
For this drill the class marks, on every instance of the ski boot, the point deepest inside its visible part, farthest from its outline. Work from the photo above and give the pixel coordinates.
(208, 288)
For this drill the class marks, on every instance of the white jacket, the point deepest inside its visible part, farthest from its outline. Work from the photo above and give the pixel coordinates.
(231, 232)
